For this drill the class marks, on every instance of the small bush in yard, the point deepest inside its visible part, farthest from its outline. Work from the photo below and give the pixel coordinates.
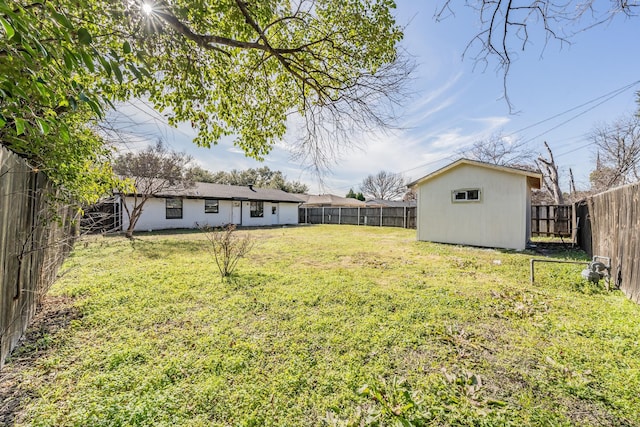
(227, 247)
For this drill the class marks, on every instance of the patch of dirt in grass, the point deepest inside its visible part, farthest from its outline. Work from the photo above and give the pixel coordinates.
(52, 317)
(583, 412)
(365, 259)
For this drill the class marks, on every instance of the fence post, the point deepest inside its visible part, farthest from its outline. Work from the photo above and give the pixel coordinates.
(358, 215)
(339, 215)
(574, 224)
(380, 216)
(404, 218)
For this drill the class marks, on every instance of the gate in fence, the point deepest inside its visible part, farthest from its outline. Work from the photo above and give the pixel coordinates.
(552, 220)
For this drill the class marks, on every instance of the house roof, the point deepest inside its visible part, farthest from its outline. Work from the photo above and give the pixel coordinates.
(202, 190)
(533, 178)
(390, 203)
(330, 200)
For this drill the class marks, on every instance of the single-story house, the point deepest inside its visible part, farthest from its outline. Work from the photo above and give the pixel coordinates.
(213, 205)
(330, 201)
(475, 203)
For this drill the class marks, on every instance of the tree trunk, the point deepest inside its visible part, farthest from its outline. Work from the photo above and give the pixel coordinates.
(552, 179)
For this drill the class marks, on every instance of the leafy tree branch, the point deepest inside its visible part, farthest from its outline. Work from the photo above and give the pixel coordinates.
(229, 68)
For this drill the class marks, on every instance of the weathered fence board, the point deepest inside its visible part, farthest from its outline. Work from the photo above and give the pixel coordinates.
(404, 217)
(614, 219)
(551, 220)
(35, 237)
(583, 225)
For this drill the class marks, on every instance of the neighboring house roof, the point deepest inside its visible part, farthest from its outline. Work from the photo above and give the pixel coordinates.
(201, 190)
(390, 203)
(533, 178)
(330, 200)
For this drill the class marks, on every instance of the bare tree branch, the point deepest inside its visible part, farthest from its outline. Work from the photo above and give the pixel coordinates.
(506, 26)
(500, 150)
(617, 148)
(334, 102)
(384, 186)
(551, 179)
(153, 172)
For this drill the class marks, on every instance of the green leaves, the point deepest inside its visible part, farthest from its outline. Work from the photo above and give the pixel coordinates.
(61, 19)
(84, 36)
(88, 61)
(21, 125)
(43, 125)
(223, 85)
(57, 76)
(8, 29)
(115, 67)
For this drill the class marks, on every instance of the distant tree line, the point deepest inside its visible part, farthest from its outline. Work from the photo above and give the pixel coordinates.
(353, 195)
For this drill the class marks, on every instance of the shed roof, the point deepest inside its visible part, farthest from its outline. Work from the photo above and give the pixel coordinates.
(533, 178)
(201, 190)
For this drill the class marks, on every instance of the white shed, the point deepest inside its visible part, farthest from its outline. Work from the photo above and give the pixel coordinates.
(475, 203)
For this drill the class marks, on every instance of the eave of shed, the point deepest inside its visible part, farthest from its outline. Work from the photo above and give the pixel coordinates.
(534, 179)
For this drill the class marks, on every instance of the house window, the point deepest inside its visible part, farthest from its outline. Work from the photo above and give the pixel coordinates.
(210, 206)
(256, 209)
(173, 208)
(273, 210)
(467, 195)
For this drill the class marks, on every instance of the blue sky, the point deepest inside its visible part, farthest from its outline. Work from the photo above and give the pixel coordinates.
(558, 92)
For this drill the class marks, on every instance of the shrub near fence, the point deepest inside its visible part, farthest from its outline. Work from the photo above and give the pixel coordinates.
(35, 238)
(404, 217)
(614, 218)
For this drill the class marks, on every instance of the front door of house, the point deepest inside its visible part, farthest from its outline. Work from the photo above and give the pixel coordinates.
(236, 213)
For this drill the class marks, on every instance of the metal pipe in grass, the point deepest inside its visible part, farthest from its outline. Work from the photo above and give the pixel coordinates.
(555, 261)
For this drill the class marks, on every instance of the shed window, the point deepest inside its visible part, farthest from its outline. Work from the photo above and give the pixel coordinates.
(467, 195)
(210, 206)
(256, 209)
(173, 208)
(274, 210)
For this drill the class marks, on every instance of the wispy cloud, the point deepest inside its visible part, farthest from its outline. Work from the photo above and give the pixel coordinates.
(494, 122)
(431, 103)
(234, 150)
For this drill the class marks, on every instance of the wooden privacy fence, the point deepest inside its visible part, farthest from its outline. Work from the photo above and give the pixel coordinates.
(35, 237)
(552, 220)
(614, 220)
(404, 217)
(546, 220)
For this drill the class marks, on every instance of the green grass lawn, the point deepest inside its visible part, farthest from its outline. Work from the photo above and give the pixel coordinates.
(331, 325)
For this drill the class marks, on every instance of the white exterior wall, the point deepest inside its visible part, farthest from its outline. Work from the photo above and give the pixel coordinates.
(288, 213)
(154, 215)
(499, 219)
